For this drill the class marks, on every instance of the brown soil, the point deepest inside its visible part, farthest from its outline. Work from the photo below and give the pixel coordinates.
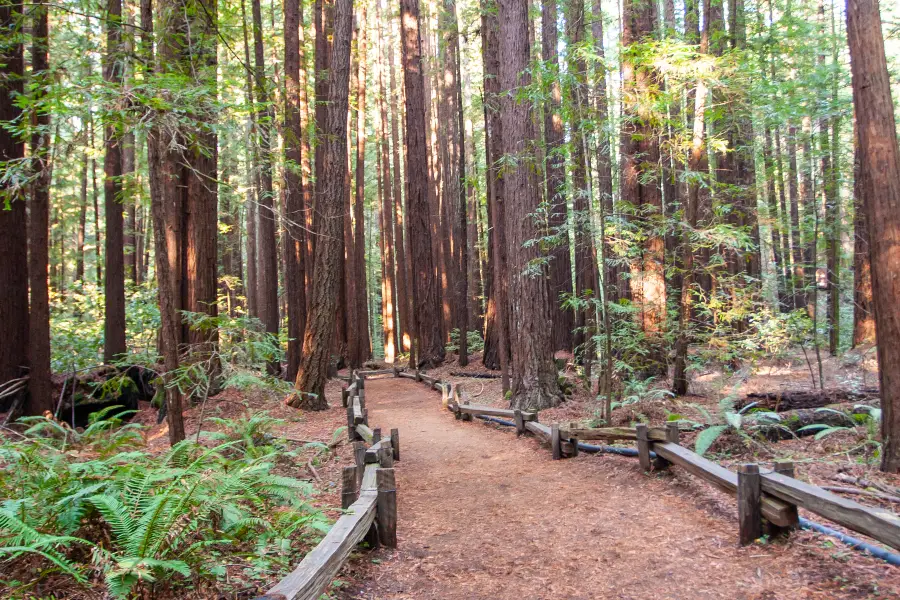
(485, 515)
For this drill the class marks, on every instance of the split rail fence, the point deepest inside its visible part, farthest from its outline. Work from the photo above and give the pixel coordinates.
(767, 499)
(368, 497)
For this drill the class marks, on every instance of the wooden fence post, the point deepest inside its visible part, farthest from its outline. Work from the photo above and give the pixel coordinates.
(643, 444)
(386, 457)
(376, 435)
(360, 382)
(351, 426)
(395, 443)
(555, 442)
(749, 508)
(349, 491)
(359, 456)
(344, 395)
(386, 515)
(786, 468)
(673, 434)
(520, 422)
(418, 375)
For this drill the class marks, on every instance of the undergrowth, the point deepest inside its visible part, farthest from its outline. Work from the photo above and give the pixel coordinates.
(95, 509)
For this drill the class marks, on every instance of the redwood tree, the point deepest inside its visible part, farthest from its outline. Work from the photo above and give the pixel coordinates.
(427, 311)
(533, 376)
(114, 283)
(39, 385)
(294, 239)
(880, 175)
(317, 340)
(561, 263)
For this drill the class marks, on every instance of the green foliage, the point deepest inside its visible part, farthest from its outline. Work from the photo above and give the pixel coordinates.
(474, 341)
(99, 504)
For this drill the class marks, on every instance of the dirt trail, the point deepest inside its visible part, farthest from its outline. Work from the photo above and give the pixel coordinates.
(484, 515)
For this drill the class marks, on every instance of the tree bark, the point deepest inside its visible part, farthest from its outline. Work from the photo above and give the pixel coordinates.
(496, 341)
(533, 381)
(317, 341)
(404, 295)
(391, 234)
(863, 311)
(697, 163)
(358, 325)
(880, 171)
(39, 385)
(294, 238)
(563, 321)
(639, 188)
(267, 255)
(427, 310)
(114, 284)
(586, 284)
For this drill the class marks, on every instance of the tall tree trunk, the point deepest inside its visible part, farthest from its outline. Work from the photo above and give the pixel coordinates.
(863, 313)
(82, 221)
(563, 321)
(294, 239)
(391, 241)
(585, 256)
(388, 301)
(404, 295)
(13, 221)
(697, 163)
(533, 381)
(880, 173)
(39, 385)
(317, 341)
(497, 340)
(114, 284)
(830, 175)
(799, 277)
(267, 255)
(640, 190)
(252, 201)
(425, 285)
(453, 163)
(358, 336)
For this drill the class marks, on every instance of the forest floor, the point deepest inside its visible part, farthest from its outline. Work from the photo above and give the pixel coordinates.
(485, 515)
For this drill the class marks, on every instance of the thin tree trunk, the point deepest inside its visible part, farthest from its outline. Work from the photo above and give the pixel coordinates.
(640, 154)
(252, 201)
(585, 256)
(863, 309)
(697, 163)
(880, 174)
(560, 282)
(317, 341)
(82, 221)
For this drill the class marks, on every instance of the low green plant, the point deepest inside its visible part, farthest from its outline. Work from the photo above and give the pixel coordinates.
(97, 504)
(729, 418)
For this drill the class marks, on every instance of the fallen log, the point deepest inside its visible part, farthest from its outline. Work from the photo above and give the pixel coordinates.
(783, 400)
(474, 375)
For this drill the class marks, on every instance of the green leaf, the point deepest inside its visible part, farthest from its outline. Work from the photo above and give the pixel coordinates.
(707, 437)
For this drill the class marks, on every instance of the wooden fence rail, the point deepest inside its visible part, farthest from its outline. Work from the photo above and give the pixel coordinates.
(369, 497)
(772, 496)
